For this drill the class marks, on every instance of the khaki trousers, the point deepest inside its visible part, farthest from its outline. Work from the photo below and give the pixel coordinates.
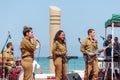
(58, 69)
(27, 66)
(94, 67)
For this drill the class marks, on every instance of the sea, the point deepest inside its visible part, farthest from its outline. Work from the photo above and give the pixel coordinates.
(72, 64)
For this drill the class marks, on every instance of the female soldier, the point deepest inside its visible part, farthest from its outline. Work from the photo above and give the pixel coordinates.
(27, 49)
(59, 50)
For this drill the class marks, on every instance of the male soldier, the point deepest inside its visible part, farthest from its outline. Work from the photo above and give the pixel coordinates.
(9, 56)
(87, 47)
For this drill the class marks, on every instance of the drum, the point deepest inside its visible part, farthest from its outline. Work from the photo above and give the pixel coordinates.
(14, 74)
(18, 63)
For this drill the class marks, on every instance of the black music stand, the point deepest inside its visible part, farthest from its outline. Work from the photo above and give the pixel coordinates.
(3, 65)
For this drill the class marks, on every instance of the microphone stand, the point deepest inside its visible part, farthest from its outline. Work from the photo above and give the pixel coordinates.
(3, 65)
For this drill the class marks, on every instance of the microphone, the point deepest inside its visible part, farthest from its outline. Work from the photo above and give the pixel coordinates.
(102, 37)
(38, 41)
(79, 40)
(9, 34)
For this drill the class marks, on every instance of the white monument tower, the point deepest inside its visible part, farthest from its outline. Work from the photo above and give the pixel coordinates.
(54, 27)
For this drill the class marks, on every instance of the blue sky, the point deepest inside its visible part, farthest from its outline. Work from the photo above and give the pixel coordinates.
(77, 16)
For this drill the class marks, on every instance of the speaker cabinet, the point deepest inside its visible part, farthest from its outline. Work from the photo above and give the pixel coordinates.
(73, 76)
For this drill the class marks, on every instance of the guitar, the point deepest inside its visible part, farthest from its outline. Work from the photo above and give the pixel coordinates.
(89, 58)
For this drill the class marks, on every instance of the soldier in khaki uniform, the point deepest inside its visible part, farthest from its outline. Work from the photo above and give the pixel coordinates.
(8, 57)
(59, 50)
(88, 45)
(27, 49)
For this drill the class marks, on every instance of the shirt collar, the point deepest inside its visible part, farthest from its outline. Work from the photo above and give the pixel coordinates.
(89, 38)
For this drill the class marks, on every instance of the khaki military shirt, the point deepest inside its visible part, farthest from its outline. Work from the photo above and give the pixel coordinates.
(28, 48)
(8, 56)
(88, 46)
(58, 48)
